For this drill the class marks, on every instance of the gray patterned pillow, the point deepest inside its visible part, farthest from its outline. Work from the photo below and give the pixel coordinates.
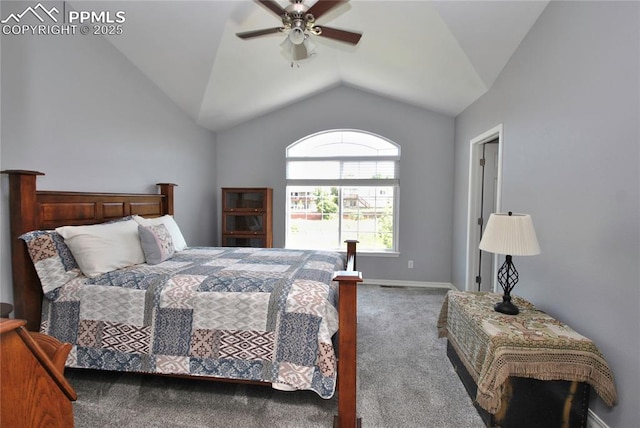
(54, 263)
(157, 243)
(52, 257)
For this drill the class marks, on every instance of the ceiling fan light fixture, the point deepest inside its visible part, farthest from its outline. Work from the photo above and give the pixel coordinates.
(309, 46)
(296, 53)
(299, 53)
(296, 34)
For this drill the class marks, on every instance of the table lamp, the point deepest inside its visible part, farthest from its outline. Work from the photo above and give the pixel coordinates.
(513, 235)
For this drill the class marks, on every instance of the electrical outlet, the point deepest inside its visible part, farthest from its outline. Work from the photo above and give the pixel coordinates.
(410, 264)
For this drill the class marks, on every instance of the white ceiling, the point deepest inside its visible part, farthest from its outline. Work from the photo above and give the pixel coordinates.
(440, 55)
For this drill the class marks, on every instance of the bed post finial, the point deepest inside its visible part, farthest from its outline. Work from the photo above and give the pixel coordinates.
(351, 253)
(23, 217)
(166, 189)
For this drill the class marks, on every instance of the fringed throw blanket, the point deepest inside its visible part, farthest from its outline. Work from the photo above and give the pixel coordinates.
(494, 346)
(243, 313)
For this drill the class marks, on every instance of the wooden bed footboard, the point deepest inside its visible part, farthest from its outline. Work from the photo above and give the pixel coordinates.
(32, 209)
(347, 342)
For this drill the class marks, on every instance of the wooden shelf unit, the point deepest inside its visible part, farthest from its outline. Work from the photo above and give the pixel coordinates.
(247, 217)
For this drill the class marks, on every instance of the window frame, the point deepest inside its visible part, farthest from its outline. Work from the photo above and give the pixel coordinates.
(343, 183)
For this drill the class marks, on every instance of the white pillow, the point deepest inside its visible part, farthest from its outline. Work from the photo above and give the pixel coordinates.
(179, 243)
(103, 248)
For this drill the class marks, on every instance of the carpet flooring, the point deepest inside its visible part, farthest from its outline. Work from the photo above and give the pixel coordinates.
(404, 380)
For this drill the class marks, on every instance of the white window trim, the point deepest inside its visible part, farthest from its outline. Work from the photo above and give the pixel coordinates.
(345, 182)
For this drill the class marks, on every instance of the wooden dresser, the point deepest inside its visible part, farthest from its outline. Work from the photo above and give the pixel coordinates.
(33, 388)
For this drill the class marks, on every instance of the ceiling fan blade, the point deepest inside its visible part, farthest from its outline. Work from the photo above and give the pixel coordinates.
(323, 6)
(340, 35)
(257, 33)
(272, 6)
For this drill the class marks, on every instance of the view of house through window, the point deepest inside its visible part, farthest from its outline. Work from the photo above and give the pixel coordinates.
(342, 184)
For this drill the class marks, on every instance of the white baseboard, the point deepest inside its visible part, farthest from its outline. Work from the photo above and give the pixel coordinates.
(593, 421)
(396, 283)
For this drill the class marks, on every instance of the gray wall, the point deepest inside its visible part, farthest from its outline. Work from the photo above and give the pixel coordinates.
(253, 154)
(568, 100)
(74, 108)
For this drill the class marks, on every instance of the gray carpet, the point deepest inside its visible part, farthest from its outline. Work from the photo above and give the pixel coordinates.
(404, 378)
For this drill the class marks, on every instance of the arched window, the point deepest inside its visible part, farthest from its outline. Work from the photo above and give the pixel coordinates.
(342, 184)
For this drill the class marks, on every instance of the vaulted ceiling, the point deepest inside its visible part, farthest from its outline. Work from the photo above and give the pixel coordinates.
(439, 55)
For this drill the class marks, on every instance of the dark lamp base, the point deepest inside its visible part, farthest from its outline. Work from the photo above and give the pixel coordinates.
(506, 308)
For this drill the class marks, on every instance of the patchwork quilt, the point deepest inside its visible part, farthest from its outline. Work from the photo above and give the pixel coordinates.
(242, 313)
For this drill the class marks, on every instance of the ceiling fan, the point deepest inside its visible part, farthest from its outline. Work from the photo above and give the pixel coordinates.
(299, 22)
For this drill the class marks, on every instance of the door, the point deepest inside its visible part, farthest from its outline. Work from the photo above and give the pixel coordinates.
(488, 202)
(485, 187)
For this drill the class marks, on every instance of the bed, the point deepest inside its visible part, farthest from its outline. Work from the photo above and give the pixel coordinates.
(236, 314)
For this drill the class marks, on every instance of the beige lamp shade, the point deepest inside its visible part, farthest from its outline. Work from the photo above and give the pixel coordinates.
(510, 234)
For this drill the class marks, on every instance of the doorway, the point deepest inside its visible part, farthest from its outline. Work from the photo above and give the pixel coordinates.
(488, 193)
(485, 186)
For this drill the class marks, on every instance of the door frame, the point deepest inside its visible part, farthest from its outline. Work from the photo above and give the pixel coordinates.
(473, 205)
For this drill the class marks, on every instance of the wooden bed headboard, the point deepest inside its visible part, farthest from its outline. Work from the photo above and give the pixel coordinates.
(31, 209)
